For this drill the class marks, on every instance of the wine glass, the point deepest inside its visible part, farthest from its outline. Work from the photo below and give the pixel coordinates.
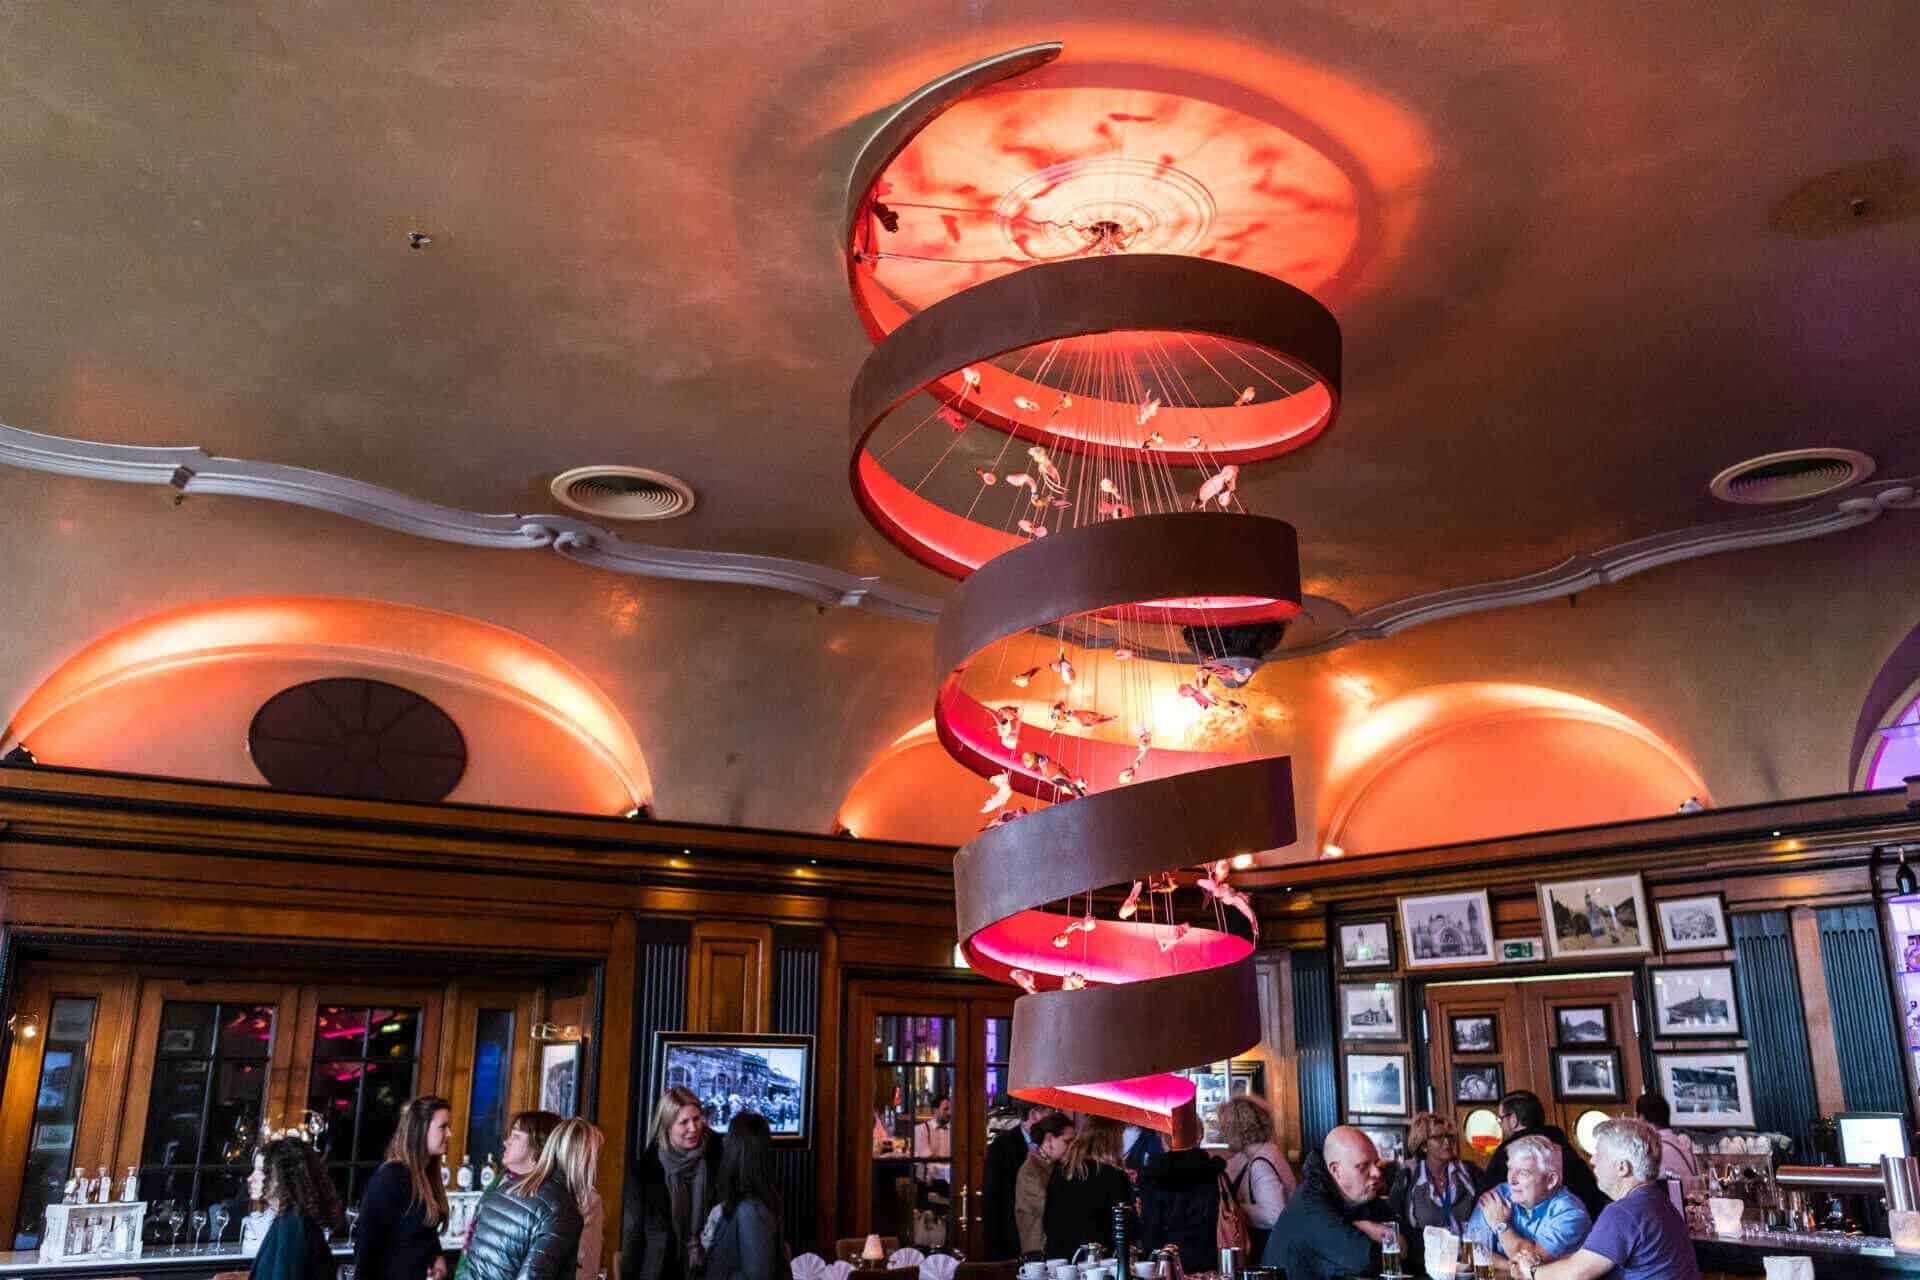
(219, 1217)
(157, 1221)
(199, 1222)
(175, 1220)
(353, 1221)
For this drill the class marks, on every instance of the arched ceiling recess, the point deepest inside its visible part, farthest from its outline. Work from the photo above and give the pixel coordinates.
(1506, 758)
(914, 791)
(1886, 737)
(173, 694)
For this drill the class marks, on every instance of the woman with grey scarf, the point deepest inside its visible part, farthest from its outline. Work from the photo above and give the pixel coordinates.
(670, 1190)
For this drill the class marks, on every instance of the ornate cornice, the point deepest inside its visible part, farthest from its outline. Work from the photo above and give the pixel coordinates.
(193, 470)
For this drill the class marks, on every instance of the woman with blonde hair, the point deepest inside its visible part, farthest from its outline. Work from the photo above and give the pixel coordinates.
(405, 1203)
(533, 1231)
(669, 1192)
(1089, 1180)
(1435, 1187)
(1259, 1176)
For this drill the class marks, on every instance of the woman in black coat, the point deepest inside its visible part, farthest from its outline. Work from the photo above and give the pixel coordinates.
(305, 1208)
(1180, 1202)
(405, 1203)
(1086, 1184)
(533, 1231)
(745, 1234)
(670, 1190)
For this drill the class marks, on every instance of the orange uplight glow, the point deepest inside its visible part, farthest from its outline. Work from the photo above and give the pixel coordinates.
(1509, 758)
(211, 662)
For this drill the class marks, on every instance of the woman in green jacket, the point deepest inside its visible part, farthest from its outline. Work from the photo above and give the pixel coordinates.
(305, 1207)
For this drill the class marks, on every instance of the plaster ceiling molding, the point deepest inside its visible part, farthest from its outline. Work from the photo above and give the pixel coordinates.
(173, 695)
(193, 471)
(1510, 758)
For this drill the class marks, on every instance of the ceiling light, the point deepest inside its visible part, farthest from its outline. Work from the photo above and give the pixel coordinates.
(1241, 861)
(1333, 851)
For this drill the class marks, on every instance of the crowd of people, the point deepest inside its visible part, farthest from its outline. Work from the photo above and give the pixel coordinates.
(1538, 1209)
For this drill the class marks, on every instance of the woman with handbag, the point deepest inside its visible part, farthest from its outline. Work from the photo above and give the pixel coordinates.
(1257, 1174)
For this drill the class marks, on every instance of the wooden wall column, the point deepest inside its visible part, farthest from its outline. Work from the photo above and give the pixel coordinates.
(1813, 982)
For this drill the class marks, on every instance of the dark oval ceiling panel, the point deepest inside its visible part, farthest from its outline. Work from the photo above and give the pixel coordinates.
(361, 738)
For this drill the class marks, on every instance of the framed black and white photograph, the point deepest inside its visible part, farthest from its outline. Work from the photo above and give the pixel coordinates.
(1474, 1033)
(1371, 1011)
(560, 1077)
(1390, 1140)
(1583, 1024)
(1447, 929)
(1377, 1083)
(1479, 1082)
(1600, 916)
(1694, 1000)
(1367, 944)
(771, 1075)
(1706, 1090)
(1698, 923)
(1588, 1075)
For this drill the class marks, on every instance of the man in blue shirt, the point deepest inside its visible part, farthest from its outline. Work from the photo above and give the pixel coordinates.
(1531, 1216)
(1640, 1236)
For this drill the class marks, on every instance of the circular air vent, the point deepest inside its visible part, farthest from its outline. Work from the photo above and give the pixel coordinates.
(1793, 476)
(362, 738)
(623, 493)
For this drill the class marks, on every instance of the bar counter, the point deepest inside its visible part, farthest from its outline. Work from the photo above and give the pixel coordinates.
(187, 1263)
(1858, 1256)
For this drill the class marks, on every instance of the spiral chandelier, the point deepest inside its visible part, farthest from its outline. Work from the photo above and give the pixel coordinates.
(1074, 356)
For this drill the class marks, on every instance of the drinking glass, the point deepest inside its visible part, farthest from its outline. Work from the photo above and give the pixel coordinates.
(157, 1220)
(219, 1217)
(175, 1220)
(199, 1221)
(353, 1221)
(1390, 1252)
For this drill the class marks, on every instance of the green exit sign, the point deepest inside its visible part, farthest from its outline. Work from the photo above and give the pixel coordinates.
(1521, 950)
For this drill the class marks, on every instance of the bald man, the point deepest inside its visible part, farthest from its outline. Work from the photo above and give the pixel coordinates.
(1332, 1224)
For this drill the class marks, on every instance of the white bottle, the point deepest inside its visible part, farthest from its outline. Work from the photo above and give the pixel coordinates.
(105, 1194)
(488, 1174)
(465, 1176)
(446, 1174)
(71, 1195)
(130, 1186)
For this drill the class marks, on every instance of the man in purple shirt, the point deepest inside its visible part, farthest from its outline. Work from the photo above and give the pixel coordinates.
(1640, 1236)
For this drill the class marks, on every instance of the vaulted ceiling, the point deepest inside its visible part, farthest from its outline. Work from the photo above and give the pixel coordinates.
(1581, 314)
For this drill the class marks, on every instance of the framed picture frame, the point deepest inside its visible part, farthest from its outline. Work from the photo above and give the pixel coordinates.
(560, 1077)
(1390, 1140)
(1695, 923)
(1694, 1001)
(1373, 1010)
(1595, 916)
(1377, 1083)
(1582, 1024)
(1478, 1082)
(1473, 1032)
(1706, 1090)
(735, 1072)
(1365, 944)
(1588, 1074)
(1447, 929)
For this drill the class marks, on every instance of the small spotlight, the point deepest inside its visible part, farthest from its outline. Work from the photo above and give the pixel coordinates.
(1776, 835)
(19, 755)
(1333, 851)
(25, 1025)
(1241, 861)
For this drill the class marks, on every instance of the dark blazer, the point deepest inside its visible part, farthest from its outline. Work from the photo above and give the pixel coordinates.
(648, 1248)
(747, 1246)
(1080, 1210)
(1315, 1239)
(518, 1237)
(392, 1240)
(295, 1248)
(1180, 1204)
(1005, 1155)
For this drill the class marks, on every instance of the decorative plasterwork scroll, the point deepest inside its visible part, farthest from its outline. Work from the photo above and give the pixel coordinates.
(194, 471)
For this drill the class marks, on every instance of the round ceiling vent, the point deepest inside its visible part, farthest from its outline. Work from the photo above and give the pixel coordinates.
(1793, 476)
(623, 493)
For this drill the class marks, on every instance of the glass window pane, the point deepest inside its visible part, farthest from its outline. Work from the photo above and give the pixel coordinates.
(63, 1074)
(899, 1038)
(246, 1031)
(393, 1035)
(492, 1061)
(340, 1031)
(186, 1028)
(387, 1088)
(335, 1097)
(173, 1111)
(999, 1037)
(238, 1088)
